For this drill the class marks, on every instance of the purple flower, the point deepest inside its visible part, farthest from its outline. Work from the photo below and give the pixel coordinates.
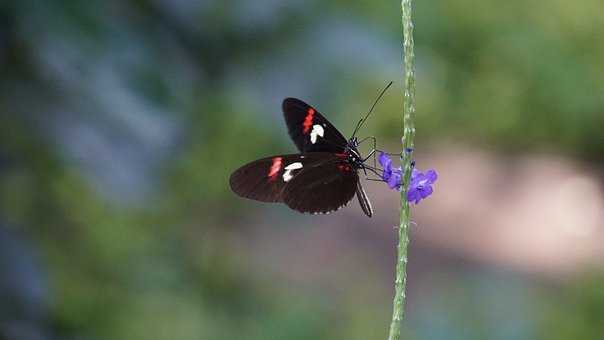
(420, 185)
(389, 175)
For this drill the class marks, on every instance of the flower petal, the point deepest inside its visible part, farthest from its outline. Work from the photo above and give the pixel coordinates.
(415, 174)
(411, 194)
(431, 175)
(420, 184)
(384, 160)
(394, 182)
(386, 163)
(427, 191)
(386, 175)
(414, 196)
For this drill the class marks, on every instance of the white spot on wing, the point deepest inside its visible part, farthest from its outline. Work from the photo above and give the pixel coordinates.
(287, 175)
(317, 130)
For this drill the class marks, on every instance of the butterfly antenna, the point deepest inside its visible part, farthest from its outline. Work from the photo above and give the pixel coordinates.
(362, 120)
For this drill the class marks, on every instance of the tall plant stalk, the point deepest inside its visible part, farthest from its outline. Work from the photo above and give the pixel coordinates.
(400, 282)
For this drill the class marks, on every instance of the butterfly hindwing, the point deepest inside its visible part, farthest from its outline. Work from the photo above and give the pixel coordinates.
(263, 180)
(310, 131)
(323, 187)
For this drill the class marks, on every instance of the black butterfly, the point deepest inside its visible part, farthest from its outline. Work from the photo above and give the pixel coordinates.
(322, 178)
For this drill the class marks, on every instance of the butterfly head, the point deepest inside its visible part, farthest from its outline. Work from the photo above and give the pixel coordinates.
(353, 143)
(354, 157)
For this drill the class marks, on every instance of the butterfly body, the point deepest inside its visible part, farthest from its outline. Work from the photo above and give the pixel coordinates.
(322, 178)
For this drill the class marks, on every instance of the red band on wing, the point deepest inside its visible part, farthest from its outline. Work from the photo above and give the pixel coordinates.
(275, 167)
(308, 120)
(343, 167)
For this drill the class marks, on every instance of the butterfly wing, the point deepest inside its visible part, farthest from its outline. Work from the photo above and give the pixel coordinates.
(263, 180)
(322, 187)
(309, 130)
(317, 182)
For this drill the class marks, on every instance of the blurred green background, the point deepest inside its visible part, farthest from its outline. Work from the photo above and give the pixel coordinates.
(120, 122)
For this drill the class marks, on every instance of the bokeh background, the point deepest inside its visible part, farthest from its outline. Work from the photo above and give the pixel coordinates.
(121, 120)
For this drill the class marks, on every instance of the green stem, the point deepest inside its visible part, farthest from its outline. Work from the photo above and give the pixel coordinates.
(400, 281)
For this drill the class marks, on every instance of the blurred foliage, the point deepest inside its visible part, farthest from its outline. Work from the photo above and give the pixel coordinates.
(121, 120)
(577, 312)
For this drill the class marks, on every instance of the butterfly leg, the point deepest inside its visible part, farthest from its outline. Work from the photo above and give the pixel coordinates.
(372, 151)
(367, 138)
(374, 179)
(373, 171)
(388, 153)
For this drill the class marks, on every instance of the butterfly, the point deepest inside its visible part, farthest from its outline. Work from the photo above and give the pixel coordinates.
(322, 178)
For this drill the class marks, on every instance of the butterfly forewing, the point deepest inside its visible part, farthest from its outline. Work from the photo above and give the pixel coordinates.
(324, 187)
(309, 130)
